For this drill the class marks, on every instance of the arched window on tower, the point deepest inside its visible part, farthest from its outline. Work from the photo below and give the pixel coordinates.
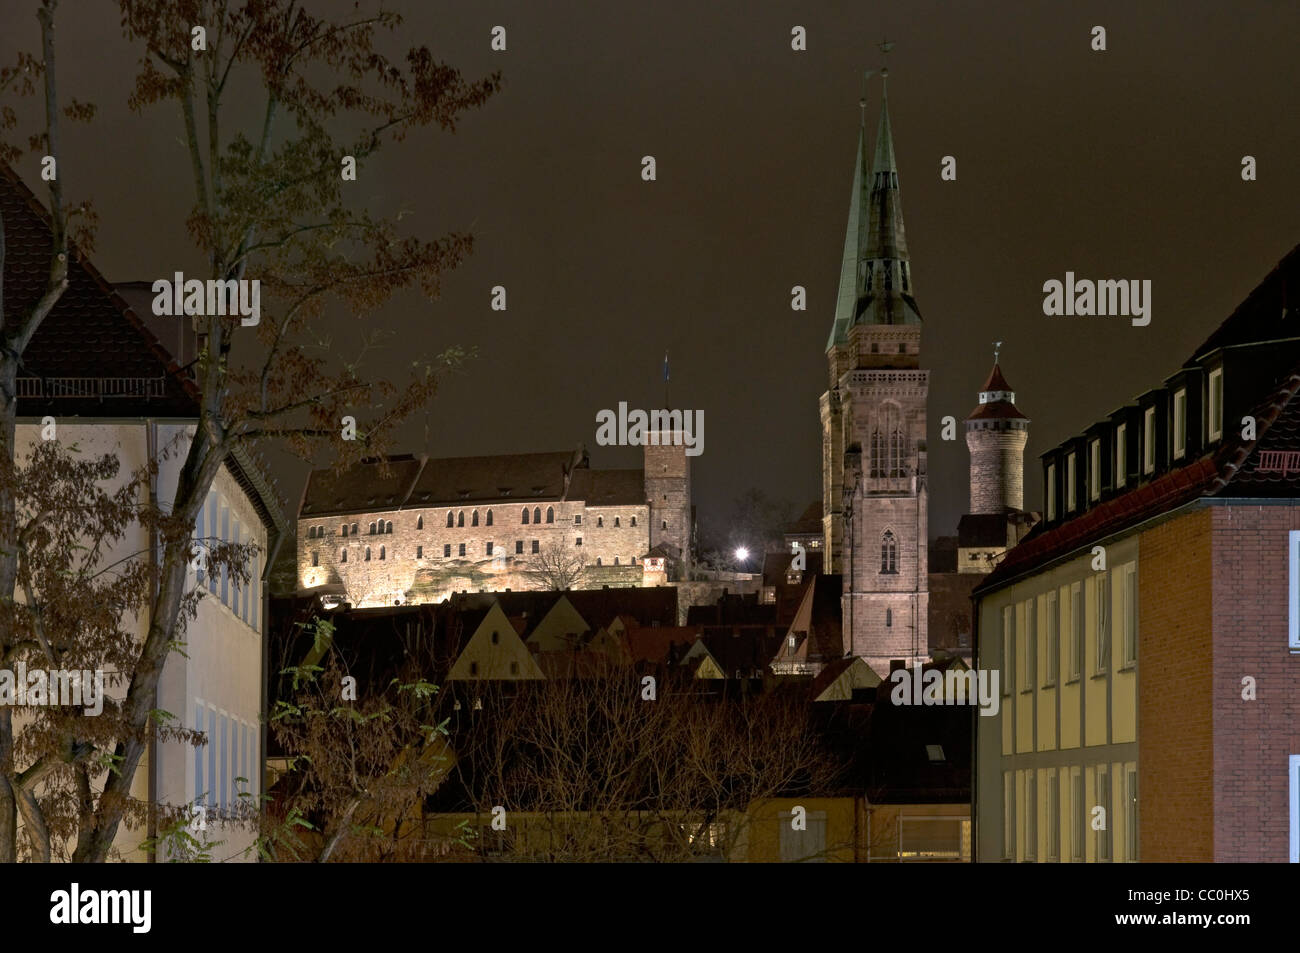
(550, 514)
(888, 552)
(473, 520)
(489, 517)
(537, 514)
(460, 518)
(419, 522)
(451, 519)
(524, 516)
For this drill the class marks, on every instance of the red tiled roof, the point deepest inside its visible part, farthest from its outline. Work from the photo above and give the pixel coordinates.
(996, 381)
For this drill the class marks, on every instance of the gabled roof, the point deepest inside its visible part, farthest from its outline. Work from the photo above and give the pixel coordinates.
(91, 343)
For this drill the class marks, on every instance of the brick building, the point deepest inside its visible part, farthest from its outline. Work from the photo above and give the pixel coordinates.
(1147, 630)
(419, 529)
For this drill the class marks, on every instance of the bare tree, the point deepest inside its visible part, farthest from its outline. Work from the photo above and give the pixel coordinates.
(270, 204)
(557, 567)
(590, 770)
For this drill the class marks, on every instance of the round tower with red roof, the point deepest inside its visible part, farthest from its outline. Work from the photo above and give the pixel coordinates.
(996, 434)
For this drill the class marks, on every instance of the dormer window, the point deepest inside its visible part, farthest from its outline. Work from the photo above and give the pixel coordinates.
(1180, 423)
(1214, 404)
(1149, 440)
(1051, 491)
(1094, 470)
(1121, 454)
(1070, 484)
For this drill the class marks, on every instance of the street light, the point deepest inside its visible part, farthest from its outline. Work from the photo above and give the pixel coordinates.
(741, 555)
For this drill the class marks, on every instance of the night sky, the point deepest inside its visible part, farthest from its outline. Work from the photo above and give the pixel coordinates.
(1122, 164)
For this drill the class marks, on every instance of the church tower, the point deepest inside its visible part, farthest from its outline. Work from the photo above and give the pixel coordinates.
(875, 498)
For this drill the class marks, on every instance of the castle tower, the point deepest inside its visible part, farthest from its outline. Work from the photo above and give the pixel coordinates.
(668, 491)
(875, 498)
(996, 434)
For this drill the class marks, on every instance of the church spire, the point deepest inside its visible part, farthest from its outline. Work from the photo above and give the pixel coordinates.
(852, 265)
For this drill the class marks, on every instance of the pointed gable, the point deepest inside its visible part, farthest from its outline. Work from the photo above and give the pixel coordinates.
(496, 652)
(561, 629)
(837, 681)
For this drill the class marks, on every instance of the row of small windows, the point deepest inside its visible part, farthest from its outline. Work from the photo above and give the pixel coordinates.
(455, 519)
(489, 550)
(1147, 448)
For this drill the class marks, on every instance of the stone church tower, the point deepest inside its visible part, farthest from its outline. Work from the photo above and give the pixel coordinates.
(873, 417)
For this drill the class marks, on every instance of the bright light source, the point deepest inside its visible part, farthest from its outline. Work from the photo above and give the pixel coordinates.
(742, 553)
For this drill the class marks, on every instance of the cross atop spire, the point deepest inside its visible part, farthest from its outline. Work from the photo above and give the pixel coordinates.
(997, 349)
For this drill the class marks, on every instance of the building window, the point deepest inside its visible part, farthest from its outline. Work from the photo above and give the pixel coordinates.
(1214, 405)
(519, 547)
(343, 555)
(1103, 799)
(462, 549)
(1149, 440)
(600, 521)
(419, 552)
(889, 618)
(1293, 601)
(1071, 486)
(665, 524)
(1180, 423)
(634, 521)
(451, 519)
(1094, 470)
(496, 637)
(372, 529)
(1031, 815)
(367, 554)
(446, 550)
(1079, 813)
(473, 668)
(1076, 631)
(578, 541)
(1131, 814)
(550, 514)
(615, 560)
(1102, 646)
(904, 267)
(1008, 816)
(460, 518)
(1008, 648)
(887, 444)
(1029, 658)
(1051, 491)
(535, 547)
(577, 519)
(902, 349)
(1053, 640)
(514, 668)
(1121, 455)
(1054, 816)
(888, 553)
(473, 521)
(311, 532)
(489, 517)
(537, 514)
(381, 552)
(419, 522)
(524, 516)
(354, 529)
(597, 560)
(489, 548)
(315, 558)
(388, 527)
(1130, 616)
(616, 521)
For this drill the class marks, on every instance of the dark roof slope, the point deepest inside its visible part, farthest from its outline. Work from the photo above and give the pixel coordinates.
(92, 356)
(608, 487)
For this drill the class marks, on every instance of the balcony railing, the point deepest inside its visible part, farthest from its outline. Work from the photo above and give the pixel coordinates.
(91, 388)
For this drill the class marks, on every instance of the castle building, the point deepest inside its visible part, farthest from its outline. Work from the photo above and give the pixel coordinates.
(873, 418)
(996, 434)
(416, 530)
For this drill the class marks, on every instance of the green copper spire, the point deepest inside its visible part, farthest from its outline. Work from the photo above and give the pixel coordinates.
(875, 273)
(854, 239)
